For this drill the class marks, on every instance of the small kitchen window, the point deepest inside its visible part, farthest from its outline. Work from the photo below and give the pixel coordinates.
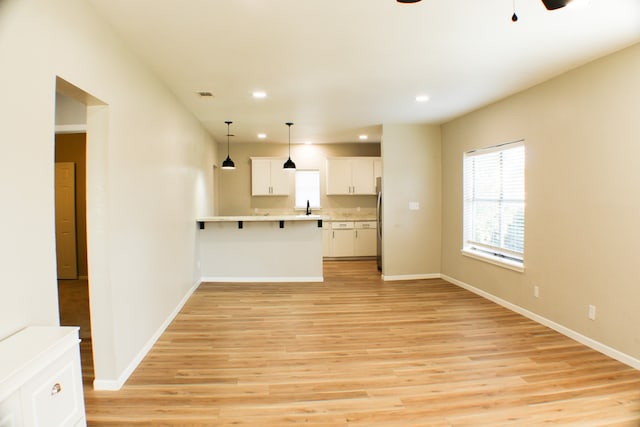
(307, 188)
(494, 201)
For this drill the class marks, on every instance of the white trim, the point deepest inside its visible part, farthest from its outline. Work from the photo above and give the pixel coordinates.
(81, 128)
(262, 279)
(412, 276)
(499, 147)
(589, 342)
(115, 385)
(500, 262)
(107, 385)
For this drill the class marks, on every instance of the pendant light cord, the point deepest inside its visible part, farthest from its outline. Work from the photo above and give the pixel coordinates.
(289, 124)
(228, 135)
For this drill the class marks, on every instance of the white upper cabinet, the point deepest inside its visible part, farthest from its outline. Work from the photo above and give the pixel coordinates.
(351, 175)
(339, 176)
(268, 178)
(377, 168)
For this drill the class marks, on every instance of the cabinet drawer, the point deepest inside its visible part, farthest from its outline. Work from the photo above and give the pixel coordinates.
(365, 224)
(342, 225)
(54, 397)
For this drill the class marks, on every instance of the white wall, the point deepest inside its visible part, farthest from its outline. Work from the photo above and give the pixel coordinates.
(582, 141)
(70, 112)
(149, 175)
(411, 159)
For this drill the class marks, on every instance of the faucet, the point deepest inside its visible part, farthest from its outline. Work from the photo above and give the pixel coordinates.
(308, 208)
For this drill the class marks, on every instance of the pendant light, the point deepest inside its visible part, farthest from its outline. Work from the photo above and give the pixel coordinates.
(289, 163)
(228, 163)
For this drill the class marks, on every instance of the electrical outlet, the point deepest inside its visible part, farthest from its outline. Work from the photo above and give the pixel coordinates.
(536, 291)
(592, 312)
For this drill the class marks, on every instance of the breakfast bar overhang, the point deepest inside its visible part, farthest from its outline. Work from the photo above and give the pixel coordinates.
(260, 248)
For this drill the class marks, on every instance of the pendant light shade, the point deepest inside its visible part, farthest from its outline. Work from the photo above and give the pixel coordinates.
(228, 163)
(289, 163)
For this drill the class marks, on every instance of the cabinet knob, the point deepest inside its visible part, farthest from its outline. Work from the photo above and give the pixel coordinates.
(57, 388)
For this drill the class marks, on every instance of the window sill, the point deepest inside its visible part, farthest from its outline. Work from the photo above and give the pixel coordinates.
(500, 262)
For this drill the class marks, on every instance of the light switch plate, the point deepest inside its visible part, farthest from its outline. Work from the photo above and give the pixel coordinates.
(414, 206)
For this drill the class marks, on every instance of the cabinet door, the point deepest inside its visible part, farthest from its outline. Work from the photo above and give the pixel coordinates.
(11, 411)
(377, 168)
(343, 244)
(260, 177)
(339, 176)
(362, 176)
(54, 397)
(365, 242)
(279, 178)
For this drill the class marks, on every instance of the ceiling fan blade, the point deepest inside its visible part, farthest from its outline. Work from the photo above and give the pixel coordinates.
(555, 4)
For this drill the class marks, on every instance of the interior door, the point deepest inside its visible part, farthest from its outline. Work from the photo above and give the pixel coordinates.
(66, 221)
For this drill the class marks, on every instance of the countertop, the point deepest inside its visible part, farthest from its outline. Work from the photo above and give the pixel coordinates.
(261, 218)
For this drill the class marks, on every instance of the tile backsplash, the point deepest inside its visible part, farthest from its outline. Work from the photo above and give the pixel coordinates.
(334, 214)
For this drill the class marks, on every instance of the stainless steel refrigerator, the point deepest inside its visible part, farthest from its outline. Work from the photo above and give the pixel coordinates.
(379, 221)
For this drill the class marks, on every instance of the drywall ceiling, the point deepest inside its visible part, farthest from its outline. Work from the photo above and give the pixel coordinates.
(341, 68)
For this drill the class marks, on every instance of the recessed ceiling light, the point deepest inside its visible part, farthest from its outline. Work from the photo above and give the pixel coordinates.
(262, 135)
(363, 137)
(259, 94)
(422, 98)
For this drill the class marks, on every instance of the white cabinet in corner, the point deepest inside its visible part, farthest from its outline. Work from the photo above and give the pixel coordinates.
(343, 243)
(350, 239)
(268, 178)
(366, 238)
(352, 175)
(41, 378)
(11, 411)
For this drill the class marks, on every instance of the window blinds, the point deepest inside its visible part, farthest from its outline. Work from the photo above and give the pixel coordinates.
(494, 200)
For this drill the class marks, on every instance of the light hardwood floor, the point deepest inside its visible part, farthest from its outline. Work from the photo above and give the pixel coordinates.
(356, 351)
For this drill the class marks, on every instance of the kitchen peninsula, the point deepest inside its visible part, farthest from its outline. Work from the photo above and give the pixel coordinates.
(261, 248)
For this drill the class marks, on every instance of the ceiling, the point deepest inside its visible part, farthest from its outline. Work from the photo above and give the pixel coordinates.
(342, 68)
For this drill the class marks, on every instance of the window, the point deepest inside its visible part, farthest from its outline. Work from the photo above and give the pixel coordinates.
(494, 204)
(307, 188)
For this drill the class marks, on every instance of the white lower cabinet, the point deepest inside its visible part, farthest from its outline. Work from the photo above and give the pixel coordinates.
(343, 244)
(11, 411)
(40, 368)
(366, 238)
(349, 239)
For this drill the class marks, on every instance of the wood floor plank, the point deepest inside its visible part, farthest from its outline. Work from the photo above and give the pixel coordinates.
(358, 351)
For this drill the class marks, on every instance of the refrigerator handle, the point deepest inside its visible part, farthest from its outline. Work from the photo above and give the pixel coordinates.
(379, 218)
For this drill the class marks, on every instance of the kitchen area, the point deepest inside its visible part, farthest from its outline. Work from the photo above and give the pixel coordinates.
(265, 230)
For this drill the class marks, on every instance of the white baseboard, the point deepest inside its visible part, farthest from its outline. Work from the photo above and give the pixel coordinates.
(589, 342)
(262, 279)
(114, 385)
(412, 276)
(107, 385)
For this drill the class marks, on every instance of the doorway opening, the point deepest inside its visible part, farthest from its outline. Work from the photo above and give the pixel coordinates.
(71, 240)
(71, 218)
